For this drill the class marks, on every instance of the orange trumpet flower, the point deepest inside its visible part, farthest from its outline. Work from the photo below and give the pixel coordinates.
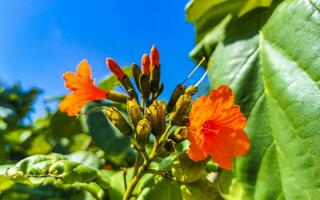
(83, 89)
(216, 128)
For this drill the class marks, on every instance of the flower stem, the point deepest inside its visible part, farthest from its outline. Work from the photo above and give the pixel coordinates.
(143, 169)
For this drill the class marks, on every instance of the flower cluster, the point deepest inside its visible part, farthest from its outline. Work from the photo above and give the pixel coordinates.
(214, 125)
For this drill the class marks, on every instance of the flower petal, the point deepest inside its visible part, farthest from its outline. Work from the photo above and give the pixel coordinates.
(84, 69)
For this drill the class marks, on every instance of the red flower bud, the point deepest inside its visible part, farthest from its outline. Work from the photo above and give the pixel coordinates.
(154, 56)
(145, 63)
(115, 68)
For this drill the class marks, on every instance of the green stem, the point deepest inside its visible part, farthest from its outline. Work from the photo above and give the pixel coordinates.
(137, 163)
(143, 169)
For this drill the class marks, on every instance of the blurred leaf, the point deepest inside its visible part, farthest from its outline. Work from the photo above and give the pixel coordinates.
(39, 145)
(6, 110)
(5, 183)
(111, 81)
(64, 126)
(200, 190)
(163, 189)
(86, 158)
(269, 58)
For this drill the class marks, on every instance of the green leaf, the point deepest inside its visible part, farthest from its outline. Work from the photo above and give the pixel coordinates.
(5, 183)
(111, 81)
(200, 190)
(64, 126)
(207, 14)
(163, 189)
(269, 57)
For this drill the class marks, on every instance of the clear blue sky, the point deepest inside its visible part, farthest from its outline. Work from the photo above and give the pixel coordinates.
(42, 39)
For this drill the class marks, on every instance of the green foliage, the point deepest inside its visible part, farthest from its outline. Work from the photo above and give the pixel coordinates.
(269, 57)
(57, 171)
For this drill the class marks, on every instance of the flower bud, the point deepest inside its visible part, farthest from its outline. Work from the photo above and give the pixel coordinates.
(177, 116)
(134, 111)
(129, 87)
(145, 63)
(154, 57)
(191, 90)
(117, 97)
(155, 79)
(180, 134)
(156, 114)
(136, 74)
(178, 91)
(186, 170)
(155, 69)
(117, 119)
(144, 85)
(143, 131)
(115, 68)
(122, 77)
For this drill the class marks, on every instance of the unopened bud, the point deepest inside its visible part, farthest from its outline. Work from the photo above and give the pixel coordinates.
(116, 118)
(136, 74)
(144, 85)
(177, 116)
(154, 57)
(129, 87)
(180, 134)
(191, 90)
(145, 63)
(143, 131)
(156, 114)
(134, 111)
(117, 97)
(115, 68)
(155, 79)
(178, 91)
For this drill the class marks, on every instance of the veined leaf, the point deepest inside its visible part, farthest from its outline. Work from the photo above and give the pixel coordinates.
(270, 59)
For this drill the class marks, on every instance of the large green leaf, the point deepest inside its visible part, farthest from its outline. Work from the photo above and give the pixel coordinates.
(270, 59)
(207, 14)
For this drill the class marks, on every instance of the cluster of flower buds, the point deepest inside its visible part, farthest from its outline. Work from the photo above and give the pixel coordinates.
(152, 116)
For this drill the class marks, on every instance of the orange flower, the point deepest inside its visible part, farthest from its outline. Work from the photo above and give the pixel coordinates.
(83, 89)
(216, 128)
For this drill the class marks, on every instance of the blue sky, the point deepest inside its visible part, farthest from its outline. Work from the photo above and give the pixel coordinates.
(40, 40)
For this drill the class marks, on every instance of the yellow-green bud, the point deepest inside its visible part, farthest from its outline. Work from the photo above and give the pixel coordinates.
(144, 85)
(155, 79)
(143, 131)
(156, 114)
(134, 111)
(186, 170)
(129, 87)
(177, 116)
(136, 74)
(178, 91)
(191, 90)
(117, 119)
(180, 134)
